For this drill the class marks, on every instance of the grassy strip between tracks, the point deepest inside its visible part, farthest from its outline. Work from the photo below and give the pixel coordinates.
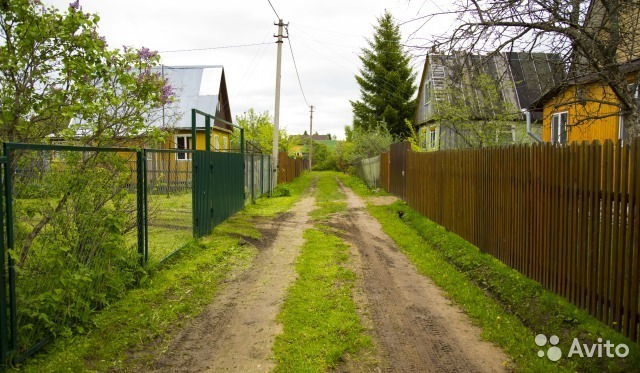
(510, 308)
(320, 322)
(131, 332)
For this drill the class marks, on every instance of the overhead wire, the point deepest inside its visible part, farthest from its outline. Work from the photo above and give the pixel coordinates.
(213, 48)
(274, 9)
(295, 65)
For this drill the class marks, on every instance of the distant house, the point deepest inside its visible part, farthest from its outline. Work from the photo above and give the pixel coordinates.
(299, 144)
(585, 108)
(201, 87)
(519, 78)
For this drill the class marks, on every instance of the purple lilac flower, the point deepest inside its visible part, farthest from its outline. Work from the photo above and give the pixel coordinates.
(103, 39)
(145, 53)
(75, 5)
(166, 93)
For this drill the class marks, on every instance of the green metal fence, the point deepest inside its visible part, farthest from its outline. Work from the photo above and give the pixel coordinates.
(81, 223)
(257, 176)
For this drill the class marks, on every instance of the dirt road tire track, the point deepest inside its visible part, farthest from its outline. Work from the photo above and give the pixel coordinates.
(416, 327)
(236, 332)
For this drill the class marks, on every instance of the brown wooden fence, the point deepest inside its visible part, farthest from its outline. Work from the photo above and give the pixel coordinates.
(397, 166)
(384, 171)
(289, 168)
(567, 217)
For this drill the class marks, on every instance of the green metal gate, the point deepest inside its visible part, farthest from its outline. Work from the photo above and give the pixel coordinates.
(218, 189)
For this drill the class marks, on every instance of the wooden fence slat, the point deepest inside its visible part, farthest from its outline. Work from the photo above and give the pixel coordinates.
(566, 216)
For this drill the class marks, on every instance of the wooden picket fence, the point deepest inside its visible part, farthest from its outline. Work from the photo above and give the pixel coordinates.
(565, 216)
(290, 168)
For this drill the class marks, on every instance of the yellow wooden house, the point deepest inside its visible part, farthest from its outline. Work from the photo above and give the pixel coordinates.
(585, 107)
(201, 87)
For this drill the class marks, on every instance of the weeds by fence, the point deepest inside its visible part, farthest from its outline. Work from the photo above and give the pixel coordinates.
(80, 224)
(566, 216)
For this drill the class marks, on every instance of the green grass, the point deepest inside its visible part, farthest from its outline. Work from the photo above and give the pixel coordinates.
(319, 315)
(132, 331)
(359, 187)
(179, 290)
(328, 195)
(268, 207)
(510, 308)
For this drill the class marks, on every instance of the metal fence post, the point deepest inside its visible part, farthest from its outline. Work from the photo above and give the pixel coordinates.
(140, 203)
(253, 195)
(4, 326)
(146, 206)
(261, 174)
(270, 186)
(13, 321)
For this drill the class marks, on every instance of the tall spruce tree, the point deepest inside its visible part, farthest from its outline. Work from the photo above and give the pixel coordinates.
(386, 82)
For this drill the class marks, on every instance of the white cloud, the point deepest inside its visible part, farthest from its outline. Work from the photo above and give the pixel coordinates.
(326, 37)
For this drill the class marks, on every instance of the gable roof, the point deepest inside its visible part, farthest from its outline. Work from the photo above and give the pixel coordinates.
(538, 104)
(524, 76)
(201, 87)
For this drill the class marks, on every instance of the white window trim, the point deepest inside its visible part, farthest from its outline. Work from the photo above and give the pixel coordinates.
(433, 143)
(188, 145)
(216, 142)
(566, 128)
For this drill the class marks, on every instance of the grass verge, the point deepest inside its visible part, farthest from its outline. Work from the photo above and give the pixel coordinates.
(131, 332)
(268, 207)
(510, 308)
(319, 317)
(176, 292)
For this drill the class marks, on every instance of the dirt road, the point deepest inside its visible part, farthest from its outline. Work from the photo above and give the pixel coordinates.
(236, 332)
(416, 327)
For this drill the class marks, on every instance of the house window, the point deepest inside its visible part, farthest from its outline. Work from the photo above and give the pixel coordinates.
(559, 128)
(183, 142)
(225, 144)
(432, 138)
(216, 142)
(506, 136)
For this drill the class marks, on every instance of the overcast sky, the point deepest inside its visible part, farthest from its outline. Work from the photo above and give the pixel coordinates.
(326, 37)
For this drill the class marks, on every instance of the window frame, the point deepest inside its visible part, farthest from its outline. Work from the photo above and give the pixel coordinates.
(558, 138)
(433, 138)
(188, 143)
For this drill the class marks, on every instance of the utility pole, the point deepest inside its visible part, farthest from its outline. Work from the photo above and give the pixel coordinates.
(276, 113)
(311, 138)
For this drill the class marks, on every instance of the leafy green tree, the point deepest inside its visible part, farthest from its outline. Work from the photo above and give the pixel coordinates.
(367, 143)
(55, 67)
(258, 128)
(58, 79)
(475, 113)
(387, 83)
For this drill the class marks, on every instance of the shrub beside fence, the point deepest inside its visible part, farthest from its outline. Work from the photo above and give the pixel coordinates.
(81, 224)
(565, 216)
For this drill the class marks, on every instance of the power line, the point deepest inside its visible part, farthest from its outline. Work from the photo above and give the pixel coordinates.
(274, 9)
(212, 48)
(296, 68)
